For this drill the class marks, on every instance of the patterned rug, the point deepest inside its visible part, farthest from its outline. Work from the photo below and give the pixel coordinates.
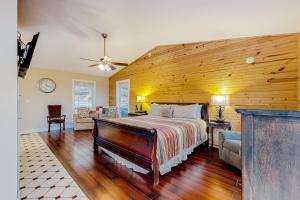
(41, 175)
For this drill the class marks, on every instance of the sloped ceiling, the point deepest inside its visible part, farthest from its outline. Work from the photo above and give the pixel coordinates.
(71, 29)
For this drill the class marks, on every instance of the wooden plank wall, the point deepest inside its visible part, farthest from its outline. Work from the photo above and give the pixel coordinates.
(193, 72)
(298, 72)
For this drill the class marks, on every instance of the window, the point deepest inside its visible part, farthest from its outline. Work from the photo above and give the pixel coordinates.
(84, 94)
(123, 88)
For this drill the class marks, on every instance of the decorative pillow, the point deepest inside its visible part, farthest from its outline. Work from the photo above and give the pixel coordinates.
(105, 111)
(83, 112)
(93, 114)
(112, 111)
(166, 112)
(160, 109)
(190, 111)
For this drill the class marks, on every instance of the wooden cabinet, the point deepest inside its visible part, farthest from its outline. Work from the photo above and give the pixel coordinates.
(270, 154)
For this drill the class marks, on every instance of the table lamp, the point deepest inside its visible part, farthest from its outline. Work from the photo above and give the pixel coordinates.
(220, 101)
(141, 100)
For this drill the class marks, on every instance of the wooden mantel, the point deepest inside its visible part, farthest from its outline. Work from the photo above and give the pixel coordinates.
(270, 154)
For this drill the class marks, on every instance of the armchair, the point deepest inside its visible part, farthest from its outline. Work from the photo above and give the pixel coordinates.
(83, 119)
(230, 148)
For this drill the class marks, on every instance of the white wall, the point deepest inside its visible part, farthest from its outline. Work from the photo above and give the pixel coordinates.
(33, 103)
(8, 100)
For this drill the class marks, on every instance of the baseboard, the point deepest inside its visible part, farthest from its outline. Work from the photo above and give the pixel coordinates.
(23, 132)
(44, 129)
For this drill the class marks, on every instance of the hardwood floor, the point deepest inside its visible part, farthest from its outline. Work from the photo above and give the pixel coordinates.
(202, 176)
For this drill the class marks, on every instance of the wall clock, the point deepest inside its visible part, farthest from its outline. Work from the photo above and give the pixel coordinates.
(46, 85)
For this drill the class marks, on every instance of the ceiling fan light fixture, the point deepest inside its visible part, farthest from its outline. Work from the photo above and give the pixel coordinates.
(107, 67)
(105, 63)
(101, 67)
(107, 59)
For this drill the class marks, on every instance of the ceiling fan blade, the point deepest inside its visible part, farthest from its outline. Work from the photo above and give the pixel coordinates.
(112, 67)
(89, 59)
(94, 65)
(120, 64)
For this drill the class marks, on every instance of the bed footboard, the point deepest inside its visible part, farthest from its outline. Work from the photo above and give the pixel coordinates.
(132, 143)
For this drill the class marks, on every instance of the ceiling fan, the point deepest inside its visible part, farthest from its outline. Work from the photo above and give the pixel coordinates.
(105, 63)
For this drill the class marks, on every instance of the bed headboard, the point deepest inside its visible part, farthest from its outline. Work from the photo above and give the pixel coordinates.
(204, 110)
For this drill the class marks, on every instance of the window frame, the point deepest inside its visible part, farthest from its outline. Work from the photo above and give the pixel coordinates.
(73, 92)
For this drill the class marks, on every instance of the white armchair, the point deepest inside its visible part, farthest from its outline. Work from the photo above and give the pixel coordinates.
(83, 119)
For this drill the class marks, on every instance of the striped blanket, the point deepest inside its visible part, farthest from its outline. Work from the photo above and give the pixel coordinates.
(176, 137)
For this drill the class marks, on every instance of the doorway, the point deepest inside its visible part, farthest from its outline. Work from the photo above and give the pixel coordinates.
(122, 97)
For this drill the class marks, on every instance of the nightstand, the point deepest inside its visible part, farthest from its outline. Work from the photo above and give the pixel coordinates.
(219, 125)
(139, 113)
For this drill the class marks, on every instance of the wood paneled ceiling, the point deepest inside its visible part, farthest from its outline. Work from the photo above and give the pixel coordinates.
(71, 28)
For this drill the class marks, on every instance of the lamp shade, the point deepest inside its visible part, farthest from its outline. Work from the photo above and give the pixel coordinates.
(220, 100)
(140, 99)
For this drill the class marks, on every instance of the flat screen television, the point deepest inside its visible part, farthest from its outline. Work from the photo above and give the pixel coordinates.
(25, 52)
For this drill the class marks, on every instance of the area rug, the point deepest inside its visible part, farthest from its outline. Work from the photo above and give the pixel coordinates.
(41, 175)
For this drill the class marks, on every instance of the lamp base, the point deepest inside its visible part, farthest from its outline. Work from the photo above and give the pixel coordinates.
(220, 118)
(141, 107)
(136, 108)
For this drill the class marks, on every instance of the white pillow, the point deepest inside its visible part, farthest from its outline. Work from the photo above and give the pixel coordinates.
(189, 111)
(166, 112)
(162, 110)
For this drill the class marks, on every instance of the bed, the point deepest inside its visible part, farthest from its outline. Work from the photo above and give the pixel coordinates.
(151, 143)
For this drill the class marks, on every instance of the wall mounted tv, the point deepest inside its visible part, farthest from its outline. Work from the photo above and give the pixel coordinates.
(25, 52)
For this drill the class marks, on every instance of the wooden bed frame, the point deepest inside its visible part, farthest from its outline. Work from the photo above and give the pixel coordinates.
(132, 143)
